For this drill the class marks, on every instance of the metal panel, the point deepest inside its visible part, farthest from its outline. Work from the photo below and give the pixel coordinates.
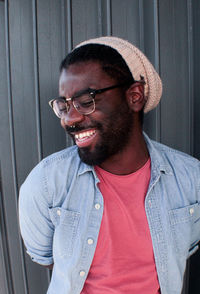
(36, 81)
(35, 36)
(196, 26)
(108, 18)
(151, 49)
(5, 270)
(129, 26)
(194, 287)
(84, 20)
(50, 53)
(174, 64)
(13, 251)
(23, 137)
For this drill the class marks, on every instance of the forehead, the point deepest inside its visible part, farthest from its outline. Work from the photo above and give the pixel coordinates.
(83, 75)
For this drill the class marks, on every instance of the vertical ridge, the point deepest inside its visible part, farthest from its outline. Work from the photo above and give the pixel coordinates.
(99, 8)
(63, 28)
(11, 131)
(141, 18)
(190, 80)
(108, 17)
(157, 65)
(36, 81)
(69, 26)
(69, 46)
(4, 244)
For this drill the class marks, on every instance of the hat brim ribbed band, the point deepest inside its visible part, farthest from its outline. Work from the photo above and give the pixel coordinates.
(139, 66)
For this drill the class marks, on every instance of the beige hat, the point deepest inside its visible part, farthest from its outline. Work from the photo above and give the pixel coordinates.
(139, 66)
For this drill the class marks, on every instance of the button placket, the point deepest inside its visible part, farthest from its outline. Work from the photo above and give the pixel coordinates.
(82, 273)
(150, 204)
(90, 241)
(191, 211)
(58, 212)
(97, 206)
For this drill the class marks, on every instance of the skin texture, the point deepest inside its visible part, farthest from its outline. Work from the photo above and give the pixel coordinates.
(116, 119)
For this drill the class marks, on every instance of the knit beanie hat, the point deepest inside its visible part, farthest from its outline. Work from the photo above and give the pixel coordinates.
(138, 65)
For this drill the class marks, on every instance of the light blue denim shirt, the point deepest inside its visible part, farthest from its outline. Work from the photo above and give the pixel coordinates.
(61, 207)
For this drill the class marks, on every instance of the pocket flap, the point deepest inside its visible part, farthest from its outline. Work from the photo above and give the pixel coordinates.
(185, 214)
(66, 226)
(63, 216)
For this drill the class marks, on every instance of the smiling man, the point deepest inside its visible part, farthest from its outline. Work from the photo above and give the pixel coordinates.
(117, 212)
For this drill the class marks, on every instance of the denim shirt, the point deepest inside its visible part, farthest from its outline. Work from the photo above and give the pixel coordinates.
(61, 207)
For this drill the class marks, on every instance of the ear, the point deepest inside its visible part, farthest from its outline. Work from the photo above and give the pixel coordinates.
(135, 96)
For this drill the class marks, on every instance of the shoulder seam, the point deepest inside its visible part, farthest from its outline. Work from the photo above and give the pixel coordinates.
(59, 155)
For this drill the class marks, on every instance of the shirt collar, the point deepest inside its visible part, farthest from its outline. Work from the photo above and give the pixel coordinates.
(158, 161)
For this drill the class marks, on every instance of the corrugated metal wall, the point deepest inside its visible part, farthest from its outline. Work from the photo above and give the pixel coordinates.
(34, 37)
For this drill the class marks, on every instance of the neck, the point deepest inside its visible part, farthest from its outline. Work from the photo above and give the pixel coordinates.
(130, 159)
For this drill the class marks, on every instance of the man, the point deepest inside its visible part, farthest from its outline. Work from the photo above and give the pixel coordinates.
(117, 212)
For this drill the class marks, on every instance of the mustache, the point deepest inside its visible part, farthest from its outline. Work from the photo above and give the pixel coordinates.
(77, 128)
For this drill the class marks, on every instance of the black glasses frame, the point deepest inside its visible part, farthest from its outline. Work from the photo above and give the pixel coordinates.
(92, 93)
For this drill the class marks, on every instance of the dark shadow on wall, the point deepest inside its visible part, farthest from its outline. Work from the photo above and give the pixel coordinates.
(195, 270)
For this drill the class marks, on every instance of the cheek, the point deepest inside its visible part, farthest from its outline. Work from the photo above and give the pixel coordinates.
(102, 112)
(105, 113)
(108, 106)
(98, 119)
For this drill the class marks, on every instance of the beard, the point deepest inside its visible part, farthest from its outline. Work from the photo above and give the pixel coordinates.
(114, 133)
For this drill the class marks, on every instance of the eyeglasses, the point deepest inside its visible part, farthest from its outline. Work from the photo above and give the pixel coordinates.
(83, 101)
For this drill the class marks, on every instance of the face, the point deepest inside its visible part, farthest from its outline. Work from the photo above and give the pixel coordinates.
(107, 130)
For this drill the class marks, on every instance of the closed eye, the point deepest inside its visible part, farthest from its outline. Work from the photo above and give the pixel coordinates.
(86, 103)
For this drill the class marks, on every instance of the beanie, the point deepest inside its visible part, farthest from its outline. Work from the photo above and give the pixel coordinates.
(138, 65)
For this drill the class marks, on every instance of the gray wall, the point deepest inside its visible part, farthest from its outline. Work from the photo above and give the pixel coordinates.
(34, 37)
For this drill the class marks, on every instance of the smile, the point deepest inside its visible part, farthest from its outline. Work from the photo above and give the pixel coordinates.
(85, 138)
(84, 135)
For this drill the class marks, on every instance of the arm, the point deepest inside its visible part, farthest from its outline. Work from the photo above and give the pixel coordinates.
(35, 224)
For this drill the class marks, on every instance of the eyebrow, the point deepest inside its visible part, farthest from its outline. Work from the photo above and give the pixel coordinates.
(79, 93)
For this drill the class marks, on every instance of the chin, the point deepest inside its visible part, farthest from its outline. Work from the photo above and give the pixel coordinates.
(92, 158)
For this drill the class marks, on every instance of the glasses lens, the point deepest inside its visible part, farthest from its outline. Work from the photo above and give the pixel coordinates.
(84, 104)
(59, 107)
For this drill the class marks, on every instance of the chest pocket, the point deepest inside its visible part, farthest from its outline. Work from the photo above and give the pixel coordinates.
(185, 227)
(66, 225)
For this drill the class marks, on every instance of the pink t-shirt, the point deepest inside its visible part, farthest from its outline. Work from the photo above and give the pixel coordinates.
(124, 259)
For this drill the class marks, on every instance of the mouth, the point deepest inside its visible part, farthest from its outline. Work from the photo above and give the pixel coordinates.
(85, 138)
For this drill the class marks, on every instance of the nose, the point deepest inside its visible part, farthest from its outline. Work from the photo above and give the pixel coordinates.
(72, 117)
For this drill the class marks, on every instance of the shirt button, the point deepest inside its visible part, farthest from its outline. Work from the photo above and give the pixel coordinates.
(191, 211)
(97, 206)
(90, 241)
(58, 212)
(82, 273)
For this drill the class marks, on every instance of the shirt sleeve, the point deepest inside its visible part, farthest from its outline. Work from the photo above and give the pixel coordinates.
(35, 224)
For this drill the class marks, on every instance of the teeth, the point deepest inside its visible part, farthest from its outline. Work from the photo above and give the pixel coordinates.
(84, 134)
